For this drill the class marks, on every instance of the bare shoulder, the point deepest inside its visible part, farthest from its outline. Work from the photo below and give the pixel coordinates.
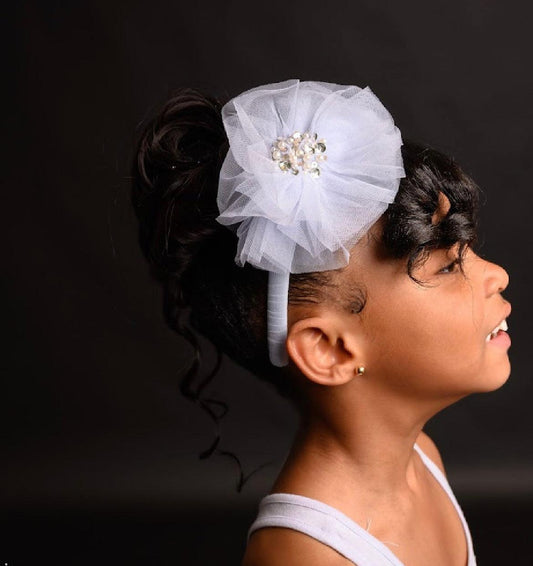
(278, 546)
(430, 449)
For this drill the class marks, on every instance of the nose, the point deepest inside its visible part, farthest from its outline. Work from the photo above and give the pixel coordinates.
(496, 278)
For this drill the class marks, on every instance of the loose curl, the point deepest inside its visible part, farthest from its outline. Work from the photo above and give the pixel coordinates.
(175, 179)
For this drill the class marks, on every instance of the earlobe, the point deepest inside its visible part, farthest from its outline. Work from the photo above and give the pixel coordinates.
(321, 353)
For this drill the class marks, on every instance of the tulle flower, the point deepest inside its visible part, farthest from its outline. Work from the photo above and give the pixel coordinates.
(310, 167)
(301, 222)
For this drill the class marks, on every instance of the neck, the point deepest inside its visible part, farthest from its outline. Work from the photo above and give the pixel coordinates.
(354, 442)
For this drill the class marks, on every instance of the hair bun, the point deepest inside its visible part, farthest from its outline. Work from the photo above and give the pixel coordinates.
(175, 180)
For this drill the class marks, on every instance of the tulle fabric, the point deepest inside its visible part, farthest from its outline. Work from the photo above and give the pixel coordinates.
(297, 223)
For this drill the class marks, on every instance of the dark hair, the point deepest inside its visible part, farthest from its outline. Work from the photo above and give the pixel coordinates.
(175, 180)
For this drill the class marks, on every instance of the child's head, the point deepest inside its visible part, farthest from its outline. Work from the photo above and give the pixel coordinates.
(402, 293)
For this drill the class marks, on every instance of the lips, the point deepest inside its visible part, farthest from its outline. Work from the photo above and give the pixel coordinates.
(502, 326)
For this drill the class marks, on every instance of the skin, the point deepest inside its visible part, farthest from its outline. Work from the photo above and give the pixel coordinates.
(423, 348)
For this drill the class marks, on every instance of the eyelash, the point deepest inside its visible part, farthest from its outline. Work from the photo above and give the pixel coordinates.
(451, 267)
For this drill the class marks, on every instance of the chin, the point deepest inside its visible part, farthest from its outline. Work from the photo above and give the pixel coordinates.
(495, 378)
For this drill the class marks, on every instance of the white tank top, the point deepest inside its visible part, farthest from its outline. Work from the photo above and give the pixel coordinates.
(329, 526)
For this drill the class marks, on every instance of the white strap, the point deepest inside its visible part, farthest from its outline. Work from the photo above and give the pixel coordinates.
(325, 524)
(441, 478)
(278, 291)
(335, 529)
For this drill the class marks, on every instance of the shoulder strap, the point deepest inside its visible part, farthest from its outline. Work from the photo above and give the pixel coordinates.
(333, 528)
(441, 478)
(325, 524)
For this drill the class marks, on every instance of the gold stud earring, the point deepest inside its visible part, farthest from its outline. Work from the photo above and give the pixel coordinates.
(360, 370)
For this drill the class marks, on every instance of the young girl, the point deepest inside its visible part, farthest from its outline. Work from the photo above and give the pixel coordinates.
(297, 231)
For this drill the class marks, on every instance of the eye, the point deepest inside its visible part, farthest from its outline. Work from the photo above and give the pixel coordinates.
(451, 267)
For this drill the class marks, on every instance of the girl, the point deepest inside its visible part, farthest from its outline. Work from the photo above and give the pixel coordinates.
(297, 231)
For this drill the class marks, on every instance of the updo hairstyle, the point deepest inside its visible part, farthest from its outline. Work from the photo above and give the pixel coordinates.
(175, 179)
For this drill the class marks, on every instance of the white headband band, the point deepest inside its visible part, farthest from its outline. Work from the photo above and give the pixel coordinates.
(310, 167)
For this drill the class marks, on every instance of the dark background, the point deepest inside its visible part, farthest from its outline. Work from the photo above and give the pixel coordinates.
(100, 453)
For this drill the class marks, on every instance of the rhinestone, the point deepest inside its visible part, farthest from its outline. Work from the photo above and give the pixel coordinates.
(299, 152)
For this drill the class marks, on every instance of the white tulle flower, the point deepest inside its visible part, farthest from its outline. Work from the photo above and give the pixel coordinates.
(296, 211)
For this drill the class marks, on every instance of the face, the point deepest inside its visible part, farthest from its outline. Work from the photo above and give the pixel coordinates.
(430, 340)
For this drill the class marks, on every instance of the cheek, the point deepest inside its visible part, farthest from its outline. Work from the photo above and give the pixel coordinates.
(429, 341)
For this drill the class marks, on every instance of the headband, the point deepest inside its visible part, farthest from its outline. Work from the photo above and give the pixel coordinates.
(310, 167)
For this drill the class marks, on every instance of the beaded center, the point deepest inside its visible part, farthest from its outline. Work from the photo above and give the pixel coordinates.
(299, 152)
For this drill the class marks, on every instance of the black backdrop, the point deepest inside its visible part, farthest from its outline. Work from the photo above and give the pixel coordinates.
(100, 458)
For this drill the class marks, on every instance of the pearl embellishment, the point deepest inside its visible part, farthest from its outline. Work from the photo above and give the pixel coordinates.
(299, 152)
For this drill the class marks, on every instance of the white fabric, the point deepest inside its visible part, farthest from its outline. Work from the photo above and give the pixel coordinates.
(278, 290)
(289, 223)
(335, 529)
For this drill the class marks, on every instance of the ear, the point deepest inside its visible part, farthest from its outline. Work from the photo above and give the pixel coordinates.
(323, 351)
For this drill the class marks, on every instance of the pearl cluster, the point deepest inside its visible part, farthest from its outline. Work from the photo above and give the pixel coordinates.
(299, 151)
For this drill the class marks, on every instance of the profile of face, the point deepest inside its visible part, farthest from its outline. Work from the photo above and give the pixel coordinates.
(434, 338)
(426, 340)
